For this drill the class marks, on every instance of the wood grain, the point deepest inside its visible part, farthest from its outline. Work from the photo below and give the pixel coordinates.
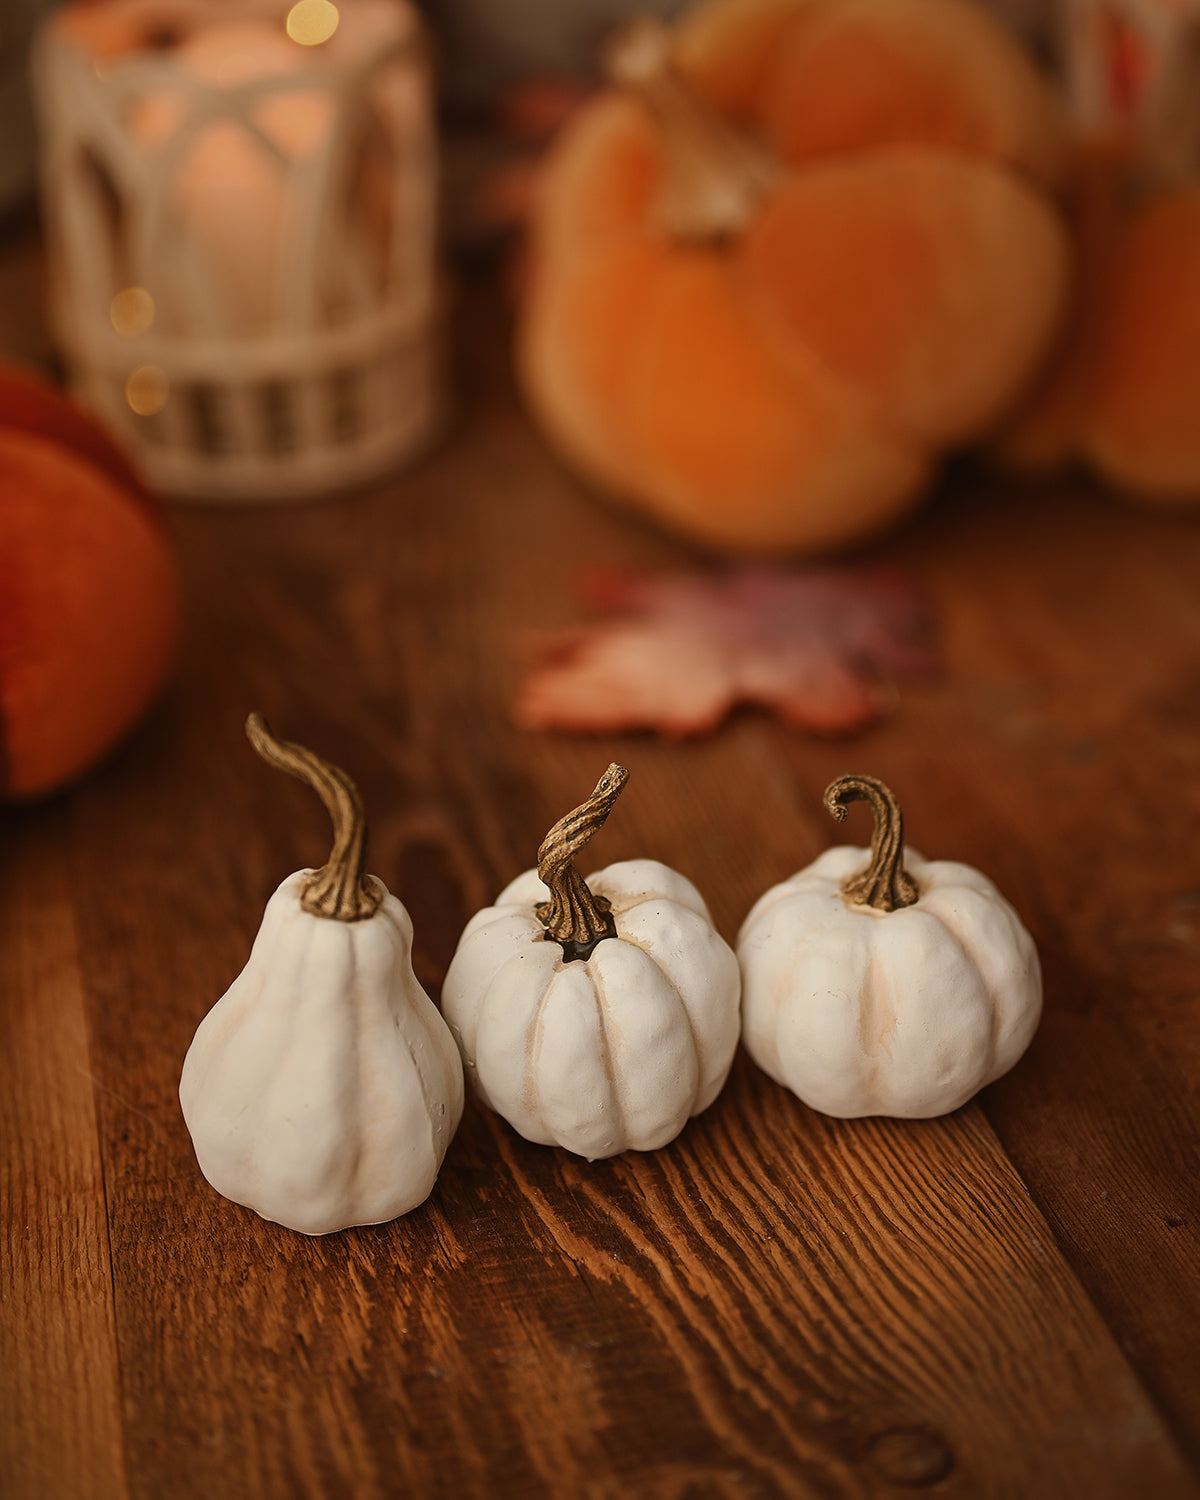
(1000, 1304)
(60, 1405)
(1094, 766)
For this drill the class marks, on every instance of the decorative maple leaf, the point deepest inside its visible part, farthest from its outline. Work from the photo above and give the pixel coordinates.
(676, 651)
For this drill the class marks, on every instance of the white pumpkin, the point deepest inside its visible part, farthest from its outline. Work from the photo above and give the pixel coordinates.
(876, 982)
(323, 1088)
(601, 1015)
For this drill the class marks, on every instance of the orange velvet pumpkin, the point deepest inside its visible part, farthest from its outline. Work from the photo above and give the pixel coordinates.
(804, 249)
(1124, 392)
(89, 594)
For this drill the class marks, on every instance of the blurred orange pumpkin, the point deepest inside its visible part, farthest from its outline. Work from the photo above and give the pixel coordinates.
(89, 594)
(805, 247)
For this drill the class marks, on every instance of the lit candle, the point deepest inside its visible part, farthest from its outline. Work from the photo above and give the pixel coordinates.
(232, 186)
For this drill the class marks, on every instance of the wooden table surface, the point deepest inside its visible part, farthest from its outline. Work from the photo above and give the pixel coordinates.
(1004, 1302)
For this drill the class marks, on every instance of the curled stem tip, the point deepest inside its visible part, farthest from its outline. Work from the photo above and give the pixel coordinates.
(339, 889)
(574, 916)
(885, 884)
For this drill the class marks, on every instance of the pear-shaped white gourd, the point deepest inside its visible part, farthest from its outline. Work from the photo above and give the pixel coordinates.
(595, 1015)
(880, 983)
(323, 1088)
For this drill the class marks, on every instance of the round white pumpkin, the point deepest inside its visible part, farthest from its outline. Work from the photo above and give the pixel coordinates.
(866, 1011)
(610, 1053)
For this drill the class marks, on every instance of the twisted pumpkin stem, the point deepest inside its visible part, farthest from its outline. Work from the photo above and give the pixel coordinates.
(339, 889)
(575, 917)
(714, 175)
(885, 884)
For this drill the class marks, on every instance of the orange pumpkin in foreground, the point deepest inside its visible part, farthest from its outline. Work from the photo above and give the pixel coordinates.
(89, 595)
(807, 246)
(1124, 393)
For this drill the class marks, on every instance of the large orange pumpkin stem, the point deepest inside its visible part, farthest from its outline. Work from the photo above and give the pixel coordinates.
(715, 175)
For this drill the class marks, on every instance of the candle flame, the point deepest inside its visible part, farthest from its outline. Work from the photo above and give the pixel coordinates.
(131, 311)
(311, 22)
(147, 389)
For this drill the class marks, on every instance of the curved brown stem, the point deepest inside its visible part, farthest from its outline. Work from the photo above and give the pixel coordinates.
(714, 175)
(339, 889)
(885, 884)
(575, 917)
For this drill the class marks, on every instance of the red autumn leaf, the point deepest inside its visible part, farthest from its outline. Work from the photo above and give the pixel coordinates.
(675, 652)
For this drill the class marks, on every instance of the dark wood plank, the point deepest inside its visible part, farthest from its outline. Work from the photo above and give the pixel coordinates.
(60, 1405)
(776, 1304)
(1080, 774)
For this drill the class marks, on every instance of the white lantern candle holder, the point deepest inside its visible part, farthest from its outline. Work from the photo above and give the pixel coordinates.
(241, 237)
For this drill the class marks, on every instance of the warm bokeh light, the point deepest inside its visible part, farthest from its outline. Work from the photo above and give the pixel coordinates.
(131, 311)
(311, 22)
(146, 390)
